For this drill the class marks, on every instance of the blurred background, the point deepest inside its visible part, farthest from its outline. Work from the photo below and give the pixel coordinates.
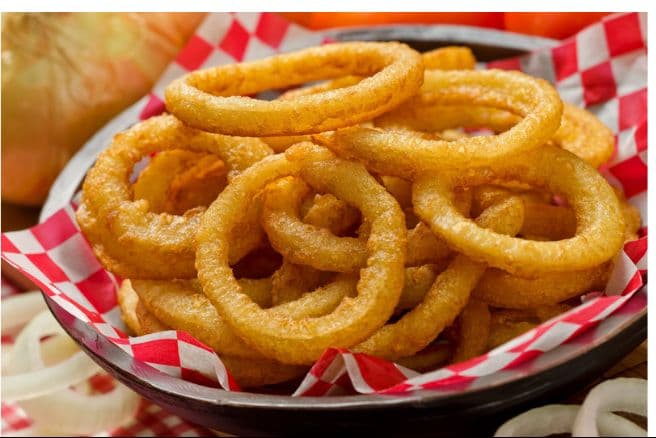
(64, 75)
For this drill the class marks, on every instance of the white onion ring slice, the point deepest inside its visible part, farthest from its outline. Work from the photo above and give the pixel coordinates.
(68, 412)
(29, 377)
(18, 310)
(617, 395)
(559, 419)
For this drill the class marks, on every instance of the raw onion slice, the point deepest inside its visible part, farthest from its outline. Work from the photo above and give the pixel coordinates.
(43, 373)
(18, 310)
(29, 377)
(4, 356)
(68, 412)
(559, 419)
(617, 395)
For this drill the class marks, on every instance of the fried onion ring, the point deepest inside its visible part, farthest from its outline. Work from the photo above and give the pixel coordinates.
(600, 226)
(447, 296)
(213, 99)
(449, 58)
(291, 281)
(509, 324)
(247, 372)
(501, 289)
(329, 212)
(542, 220)
(380, 284)
(124, 232)
(127, 303)
(474, 331)
(307, 244)
(289, 235)
(405, 154)
(580, 131)
(429, 358)
(176, 181)
(444, 58)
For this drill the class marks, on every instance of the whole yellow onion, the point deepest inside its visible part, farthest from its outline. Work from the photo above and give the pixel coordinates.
(64, 75)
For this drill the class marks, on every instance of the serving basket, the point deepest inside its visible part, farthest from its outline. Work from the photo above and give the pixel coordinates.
(472, 398)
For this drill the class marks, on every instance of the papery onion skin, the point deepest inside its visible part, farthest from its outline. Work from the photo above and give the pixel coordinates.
(65, 75)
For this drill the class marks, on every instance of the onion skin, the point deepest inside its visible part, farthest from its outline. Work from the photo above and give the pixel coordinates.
(64, 75)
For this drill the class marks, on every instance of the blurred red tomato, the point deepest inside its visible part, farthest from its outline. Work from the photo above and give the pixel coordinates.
(557, 25)
(325, 20)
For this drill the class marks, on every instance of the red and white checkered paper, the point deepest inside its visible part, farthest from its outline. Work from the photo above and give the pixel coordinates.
(603, 68)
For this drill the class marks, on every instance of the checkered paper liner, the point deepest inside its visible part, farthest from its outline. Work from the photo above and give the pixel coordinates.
(603, 68)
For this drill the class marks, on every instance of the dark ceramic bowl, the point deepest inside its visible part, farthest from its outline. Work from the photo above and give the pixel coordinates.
(478, 409)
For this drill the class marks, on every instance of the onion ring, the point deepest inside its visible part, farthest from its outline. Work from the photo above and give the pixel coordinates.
(559, 419)
(181, 304)
(446, 298)
(622, 394)
(600, 224)
(405, 154)
(289, 235)
(303, 341)
(501, 289)
(29, 377)
(474, 331)
(123, 232)
(444, 58)
(18, 310)
(81, 414)
(307, 244)
(500, 333)
(291, 281)
(542, 221)
(212, 99)
(429, 358)
(147, 322)
(127, 303)
(537, 314)
(449, 58)
(580, 131)
(247, 372)
(176, 181)
(418, 281)
(509, 324)
(548, 222)
(329, 212)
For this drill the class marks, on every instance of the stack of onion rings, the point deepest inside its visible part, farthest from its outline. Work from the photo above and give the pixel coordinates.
(407, 234)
